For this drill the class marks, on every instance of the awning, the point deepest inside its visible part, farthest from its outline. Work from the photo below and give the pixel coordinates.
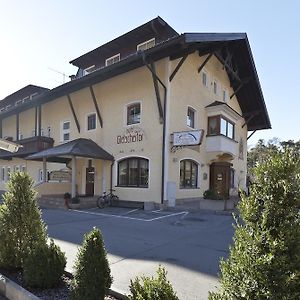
(79, 147)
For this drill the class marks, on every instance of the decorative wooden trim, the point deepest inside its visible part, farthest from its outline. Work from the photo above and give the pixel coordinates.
(96, 106)
(17, 126)
(205, 62)
(251, 134)
(178, 66)
(73, 112)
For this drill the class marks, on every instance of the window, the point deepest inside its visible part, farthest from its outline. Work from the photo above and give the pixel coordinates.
(220, 125)
(112, 60)
(65, 131)
(225, 96)
(146, 45)
(215, 88)
(8, 173)
(91, 121)
(134, 113)
(188, 174)
(232, 178)
(190, 119)
(23, 169)
(204, 78)
(133, 172)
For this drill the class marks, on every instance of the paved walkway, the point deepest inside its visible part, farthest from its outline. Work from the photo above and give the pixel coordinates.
(188, 244)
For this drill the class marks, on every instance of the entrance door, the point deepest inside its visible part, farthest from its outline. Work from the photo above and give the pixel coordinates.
(220, 178)
(90, 178)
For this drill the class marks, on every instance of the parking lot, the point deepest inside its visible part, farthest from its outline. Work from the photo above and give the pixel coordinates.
(188, 244)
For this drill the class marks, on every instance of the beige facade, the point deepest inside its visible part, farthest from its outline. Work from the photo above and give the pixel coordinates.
(113, 96)
(164, 122)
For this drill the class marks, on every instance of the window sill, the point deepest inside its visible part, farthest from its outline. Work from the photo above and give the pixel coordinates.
(221, 135)
(134, 187)
(189, 188)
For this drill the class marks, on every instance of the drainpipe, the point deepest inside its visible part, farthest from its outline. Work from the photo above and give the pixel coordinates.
(111, 174)
(164, 129)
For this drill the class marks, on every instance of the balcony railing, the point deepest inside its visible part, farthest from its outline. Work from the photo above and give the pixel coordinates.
(220, 144)
(30, 145)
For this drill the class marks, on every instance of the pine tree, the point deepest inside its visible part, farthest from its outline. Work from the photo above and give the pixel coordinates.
(92, 277)
(21, 226)
(264, 261)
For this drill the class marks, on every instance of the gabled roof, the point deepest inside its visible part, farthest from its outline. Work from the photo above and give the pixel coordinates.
(21, 93)
(250, 97)
(80, 147)
(157, 28)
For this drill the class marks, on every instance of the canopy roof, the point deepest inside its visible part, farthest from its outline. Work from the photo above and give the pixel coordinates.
(80, 147)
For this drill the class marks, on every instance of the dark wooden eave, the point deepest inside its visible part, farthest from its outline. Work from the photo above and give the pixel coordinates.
(250, 96)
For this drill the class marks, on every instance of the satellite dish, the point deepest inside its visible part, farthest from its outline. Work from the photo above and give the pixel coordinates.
(9, 146)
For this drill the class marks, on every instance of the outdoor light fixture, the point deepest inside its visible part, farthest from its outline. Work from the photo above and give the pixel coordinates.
(9, 146)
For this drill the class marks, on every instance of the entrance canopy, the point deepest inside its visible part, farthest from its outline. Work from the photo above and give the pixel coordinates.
(63, 153)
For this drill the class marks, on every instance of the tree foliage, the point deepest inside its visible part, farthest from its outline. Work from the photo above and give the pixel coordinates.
(264, 261)
(21, 226)
(92, 278)
(150, 288)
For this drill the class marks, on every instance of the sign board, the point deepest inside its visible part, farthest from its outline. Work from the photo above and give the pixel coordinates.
(60, 176)
(188, 138)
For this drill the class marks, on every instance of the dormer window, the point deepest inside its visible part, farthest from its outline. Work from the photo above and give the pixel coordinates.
(89, 70)
(146, 45)
(112, 60)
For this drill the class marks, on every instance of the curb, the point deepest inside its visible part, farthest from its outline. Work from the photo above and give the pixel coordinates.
(13, 291)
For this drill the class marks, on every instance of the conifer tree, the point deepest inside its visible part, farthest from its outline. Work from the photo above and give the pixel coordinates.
(92, 278)
(21, 226)
(264, 261)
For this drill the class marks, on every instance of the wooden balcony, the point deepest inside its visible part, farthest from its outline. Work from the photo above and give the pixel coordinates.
(30, 145)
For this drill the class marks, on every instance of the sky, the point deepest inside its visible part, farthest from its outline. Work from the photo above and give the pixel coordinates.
(39, 38)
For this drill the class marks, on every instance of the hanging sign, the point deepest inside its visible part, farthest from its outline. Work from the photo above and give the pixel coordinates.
(188, 138)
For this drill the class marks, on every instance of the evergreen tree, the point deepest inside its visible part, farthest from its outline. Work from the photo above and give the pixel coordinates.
(92, 277)
(264, 261)
(21, 226)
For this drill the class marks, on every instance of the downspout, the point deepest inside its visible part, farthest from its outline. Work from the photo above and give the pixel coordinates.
(111, 175)
(164, 130)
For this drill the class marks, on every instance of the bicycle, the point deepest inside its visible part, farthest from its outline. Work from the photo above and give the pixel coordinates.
(107, 199)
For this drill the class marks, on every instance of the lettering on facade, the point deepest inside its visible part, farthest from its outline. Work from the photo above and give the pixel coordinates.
(60, 176)
(131, 135)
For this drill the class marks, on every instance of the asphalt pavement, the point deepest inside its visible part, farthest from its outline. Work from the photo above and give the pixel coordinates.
(188, 244)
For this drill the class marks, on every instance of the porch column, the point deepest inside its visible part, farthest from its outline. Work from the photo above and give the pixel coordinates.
(73, 176)
(44, 169)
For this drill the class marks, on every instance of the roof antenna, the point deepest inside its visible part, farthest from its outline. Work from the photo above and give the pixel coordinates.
(63, 74)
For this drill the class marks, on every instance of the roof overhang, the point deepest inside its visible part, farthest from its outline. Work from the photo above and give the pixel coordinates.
(77, 148)
(250, 97)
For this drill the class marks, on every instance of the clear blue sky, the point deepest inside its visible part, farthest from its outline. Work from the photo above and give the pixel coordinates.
(38, 35)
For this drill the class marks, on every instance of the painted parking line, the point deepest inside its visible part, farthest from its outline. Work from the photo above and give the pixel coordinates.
(130, 218)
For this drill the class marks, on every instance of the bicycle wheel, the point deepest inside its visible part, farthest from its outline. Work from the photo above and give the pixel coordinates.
(101, 202)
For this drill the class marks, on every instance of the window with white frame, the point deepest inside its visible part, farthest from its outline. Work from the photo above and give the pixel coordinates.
(190, 118)
(188, 174)
(23, 168)
(65, 131)
(91, 121)
(225, 95)
(40, 175)
(146, 45)
(134, 113)
(204, 78)
(112, 60)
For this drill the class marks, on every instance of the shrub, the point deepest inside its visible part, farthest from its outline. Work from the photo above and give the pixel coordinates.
(150, 288)
(92, 277)
(21, 226)
(264, 261)
(210, 194)
(44, 266)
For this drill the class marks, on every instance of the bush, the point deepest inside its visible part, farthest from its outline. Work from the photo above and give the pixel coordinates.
(92, 278)
(210, 194)
(44, 267)
(149, 288)
(264, 261)
(21, 226)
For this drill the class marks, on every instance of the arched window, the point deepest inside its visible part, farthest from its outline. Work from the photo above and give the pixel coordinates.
(188, 174)
(133, 172)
